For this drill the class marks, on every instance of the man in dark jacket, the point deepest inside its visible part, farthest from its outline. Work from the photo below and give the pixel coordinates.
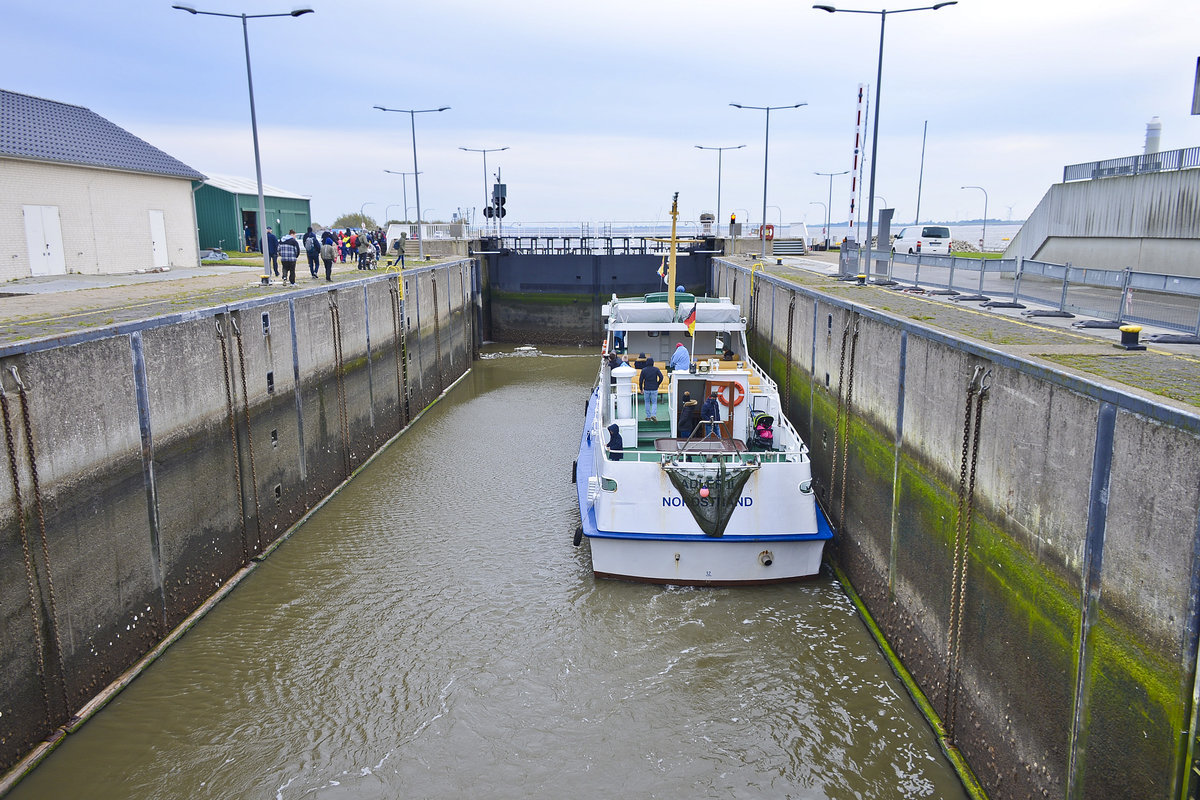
(273, 250)
(710, 414)
(616, 446)
(687, 415)
(312, 246)
(648, 382)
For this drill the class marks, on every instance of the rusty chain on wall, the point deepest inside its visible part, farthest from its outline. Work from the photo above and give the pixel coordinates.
(237, 333)
(787, 364)
(339, 370)
(30, 576)
(39, 511)
(841, 446)
(977, 389)
(233, 441)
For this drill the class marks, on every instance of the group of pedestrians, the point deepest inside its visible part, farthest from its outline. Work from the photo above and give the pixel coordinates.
(365, 248)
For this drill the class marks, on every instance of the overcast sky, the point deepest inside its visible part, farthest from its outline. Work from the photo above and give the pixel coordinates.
(601, 104)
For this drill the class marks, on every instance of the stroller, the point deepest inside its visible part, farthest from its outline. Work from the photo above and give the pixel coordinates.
(763, 437)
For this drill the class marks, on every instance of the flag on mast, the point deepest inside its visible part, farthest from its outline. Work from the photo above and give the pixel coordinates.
(691, 321)
(662, 269)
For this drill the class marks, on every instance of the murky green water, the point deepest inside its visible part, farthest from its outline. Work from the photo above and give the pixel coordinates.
(432, 633)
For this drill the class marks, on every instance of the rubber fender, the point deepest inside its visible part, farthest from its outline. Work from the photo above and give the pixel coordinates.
(578, 535)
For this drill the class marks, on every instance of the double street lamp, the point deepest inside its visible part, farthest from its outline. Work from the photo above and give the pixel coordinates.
(878, 97)
(412, 116)
(829, 205)
(403, 187)
(485, 151)
(720, 153)
(762, 229)
(262, 203)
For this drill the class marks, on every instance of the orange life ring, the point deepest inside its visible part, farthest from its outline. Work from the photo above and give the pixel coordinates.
(770, 231)
(732, 395)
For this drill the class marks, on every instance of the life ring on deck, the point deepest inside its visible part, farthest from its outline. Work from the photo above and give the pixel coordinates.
(732, 395)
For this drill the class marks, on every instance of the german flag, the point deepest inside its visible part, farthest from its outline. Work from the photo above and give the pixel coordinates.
(691, 321)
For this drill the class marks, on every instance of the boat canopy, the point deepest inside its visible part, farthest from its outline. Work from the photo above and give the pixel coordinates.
(711, 313)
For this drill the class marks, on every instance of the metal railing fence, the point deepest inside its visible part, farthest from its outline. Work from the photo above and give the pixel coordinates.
(1166, 161)
(1122, 296)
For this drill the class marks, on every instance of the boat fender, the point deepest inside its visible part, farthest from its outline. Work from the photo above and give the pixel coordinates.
(574, 470)
(578, 535)
(766, 558)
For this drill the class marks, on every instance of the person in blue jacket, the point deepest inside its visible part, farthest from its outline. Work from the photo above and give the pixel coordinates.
(681, 359)
(710, 414)
(273, 250)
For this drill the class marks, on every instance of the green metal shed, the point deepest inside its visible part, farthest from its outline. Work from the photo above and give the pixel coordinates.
(226, 205)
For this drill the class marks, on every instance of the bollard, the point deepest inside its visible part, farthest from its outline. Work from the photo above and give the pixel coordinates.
(1129, 338)
(860, 279)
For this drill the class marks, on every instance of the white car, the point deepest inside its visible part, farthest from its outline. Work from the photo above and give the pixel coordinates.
(932, 239)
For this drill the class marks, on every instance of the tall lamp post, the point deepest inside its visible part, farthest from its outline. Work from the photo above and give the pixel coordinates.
(403, 187)
(829, 205)
(983, 236)
(262, 203)
(412, 117)
(878, 97)
(387, 212)
(362, 217)
(824, 208)
(762, 229)
(720, 153)
(485, 151)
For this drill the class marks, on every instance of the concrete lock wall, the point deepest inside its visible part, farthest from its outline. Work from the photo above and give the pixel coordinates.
(1072, 669)
(170, 453)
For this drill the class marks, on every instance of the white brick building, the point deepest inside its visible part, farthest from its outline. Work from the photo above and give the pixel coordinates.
(79, 194)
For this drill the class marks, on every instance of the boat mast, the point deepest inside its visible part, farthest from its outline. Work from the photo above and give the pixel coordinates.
(671, 256)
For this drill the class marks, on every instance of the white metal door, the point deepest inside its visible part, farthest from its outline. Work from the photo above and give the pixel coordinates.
(158, 239)
(43, 234)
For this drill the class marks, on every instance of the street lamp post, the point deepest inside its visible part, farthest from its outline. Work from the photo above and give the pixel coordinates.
(829, 205)
(485, 151)
(262, 203)
(983, 236)
(720, 153)
(403, 187)
(825, 231)
(412, 117)
(362, 217)
(878, 98)
(387, 213)
(762, 228)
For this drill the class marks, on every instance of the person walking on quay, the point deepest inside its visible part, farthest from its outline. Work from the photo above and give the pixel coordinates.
(273, 250)
(289, 251)
(312, 246)
(328, 253)
(399, 245)
(649, 381)
(365, 251)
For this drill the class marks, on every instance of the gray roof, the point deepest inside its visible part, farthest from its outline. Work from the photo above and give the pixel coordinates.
(46, 130)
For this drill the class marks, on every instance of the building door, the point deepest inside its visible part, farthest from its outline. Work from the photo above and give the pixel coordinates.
(158, 240)
(43, 234)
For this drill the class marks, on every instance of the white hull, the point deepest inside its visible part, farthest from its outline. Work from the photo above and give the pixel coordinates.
(715, 562)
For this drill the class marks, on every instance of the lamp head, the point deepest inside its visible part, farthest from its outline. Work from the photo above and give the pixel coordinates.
(936, 6)
(736, 105)
(188, 9)
(830, 9)
(444, 108)
(299, 12)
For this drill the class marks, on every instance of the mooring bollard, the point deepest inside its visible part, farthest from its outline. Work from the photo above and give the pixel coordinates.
(860, 279)
(1129, 338)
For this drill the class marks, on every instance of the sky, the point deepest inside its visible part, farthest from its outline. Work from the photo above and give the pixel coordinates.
(601, 105)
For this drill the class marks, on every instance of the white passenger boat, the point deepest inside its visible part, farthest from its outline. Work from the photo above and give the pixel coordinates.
(729, 502)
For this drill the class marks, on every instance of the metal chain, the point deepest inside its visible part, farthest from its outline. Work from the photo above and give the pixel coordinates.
(343, 419)
(837, 425)
(30, 577)
(983, 387)
(237, 333)
(401, 400)
(437, 336)
(233, 441)
(787, 364)
(846, 433)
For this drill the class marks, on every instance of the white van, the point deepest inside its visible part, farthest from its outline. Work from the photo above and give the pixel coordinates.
(931, 239)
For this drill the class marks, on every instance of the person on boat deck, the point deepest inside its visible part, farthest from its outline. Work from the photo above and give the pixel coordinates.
(680, 359)
(687, 415)
(619, 342)
(730, 355)
(649, 381)
(614, 361)
(710, 413)
(616, 447)
(641, 362)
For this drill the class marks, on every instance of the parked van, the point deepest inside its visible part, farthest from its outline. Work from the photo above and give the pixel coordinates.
(933, 239)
